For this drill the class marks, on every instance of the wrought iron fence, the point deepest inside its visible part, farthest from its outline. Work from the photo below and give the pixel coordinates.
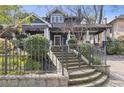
(15, 58)
(62, 54)
(97, 55)
(94, 54)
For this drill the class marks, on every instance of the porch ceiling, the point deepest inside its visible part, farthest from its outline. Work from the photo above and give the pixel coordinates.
(92, 28)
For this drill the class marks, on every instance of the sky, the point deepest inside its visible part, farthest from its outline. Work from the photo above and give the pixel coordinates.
(110, 11)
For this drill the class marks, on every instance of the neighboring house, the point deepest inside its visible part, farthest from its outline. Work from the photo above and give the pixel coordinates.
(59, 27)
(117, 31)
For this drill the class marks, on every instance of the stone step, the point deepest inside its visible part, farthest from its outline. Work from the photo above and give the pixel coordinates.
(83, 80)
(64, 55)
(71, 60)
(81, 73)
(69, 57)
(69, 64)
(72, 68)
(60, 53)
(96, 83)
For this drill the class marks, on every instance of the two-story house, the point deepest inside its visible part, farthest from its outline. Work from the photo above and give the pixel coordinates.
(59, 27)
(52, 26)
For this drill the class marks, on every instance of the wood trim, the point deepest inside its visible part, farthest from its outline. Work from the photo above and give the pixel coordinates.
(60, 40)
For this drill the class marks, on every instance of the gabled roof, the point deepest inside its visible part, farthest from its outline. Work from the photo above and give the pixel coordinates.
(118, 18)
(40, 18)
(56, 10)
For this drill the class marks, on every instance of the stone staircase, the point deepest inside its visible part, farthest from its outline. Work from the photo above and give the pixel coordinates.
(80, 74)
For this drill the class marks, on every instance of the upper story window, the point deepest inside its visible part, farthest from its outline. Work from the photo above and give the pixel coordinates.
(57, 18)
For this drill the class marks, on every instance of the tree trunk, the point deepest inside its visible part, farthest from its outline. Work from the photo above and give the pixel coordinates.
(100, 14)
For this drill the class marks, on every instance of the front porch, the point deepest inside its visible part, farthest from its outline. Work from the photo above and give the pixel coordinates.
(94, 34)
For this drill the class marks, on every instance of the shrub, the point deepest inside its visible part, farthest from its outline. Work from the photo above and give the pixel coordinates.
(33, 65)
(13, 63)
(2, 45)
(111, 48)
(120, 47)
(36, 45)
(115, 46)
(85, 50)
(96, 60)
(72, 43)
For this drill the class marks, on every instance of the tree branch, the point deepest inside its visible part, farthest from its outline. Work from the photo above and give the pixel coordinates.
(15, 27)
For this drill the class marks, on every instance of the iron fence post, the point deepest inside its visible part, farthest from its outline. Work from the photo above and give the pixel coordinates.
(62, 62)
(62, 56)
(90, 55)
(6, 50)
(104, 46)
(79, 55)
(66, 57)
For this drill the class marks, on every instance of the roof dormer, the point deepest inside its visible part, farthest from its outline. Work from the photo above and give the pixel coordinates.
(56, 16)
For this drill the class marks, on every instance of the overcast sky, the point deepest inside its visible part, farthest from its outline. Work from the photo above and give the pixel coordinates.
(109, 11)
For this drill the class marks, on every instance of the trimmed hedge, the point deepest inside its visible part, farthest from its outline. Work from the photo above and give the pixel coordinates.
(36, 45)
(72, 43)
(85, 50)
(96, 60)
(33, 65)
(115, 47)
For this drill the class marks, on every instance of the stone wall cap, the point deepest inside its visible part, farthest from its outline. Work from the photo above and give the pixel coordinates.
(31, 76)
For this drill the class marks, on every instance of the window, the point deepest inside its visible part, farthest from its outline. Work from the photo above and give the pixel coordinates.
(57, 18)
(52, 19)
(61, 19)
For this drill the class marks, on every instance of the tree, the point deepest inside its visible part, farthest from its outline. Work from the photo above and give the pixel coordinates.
(93, 14)
(13, 17)
(7, 13)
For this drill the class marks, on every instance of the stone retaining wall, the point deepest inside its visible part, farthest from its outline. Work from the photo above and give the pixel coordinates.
(46, 80)
(105, 69)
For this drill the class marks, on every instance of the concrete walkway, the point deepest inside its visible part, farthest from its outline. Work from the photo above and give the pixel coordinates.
(116, 71)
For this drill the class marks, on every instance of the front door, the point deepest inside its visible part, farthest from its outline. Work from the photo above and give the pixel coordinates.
(57, 40)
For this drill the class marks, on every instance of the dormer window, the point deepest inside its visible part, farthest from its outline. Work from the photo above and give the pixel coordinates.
(57, 18)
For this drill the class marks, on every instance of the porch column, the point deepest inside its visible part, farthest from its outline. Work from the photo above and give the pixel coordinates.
(47, 33)
(96, 39)
(87, 36)
(104, 44)
(68, 38)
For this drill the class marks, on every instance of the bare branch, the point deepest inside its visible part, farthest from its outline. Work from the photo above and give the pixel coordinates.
(101, 14)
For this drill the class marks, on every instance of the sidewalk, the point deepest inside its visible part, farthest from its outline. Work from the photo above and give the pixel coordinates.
(116, 71)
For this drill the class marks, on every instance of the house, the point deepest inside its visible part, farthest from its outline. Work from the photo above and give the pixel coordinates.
(117, 31)
(59, 27)
(52, 24)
